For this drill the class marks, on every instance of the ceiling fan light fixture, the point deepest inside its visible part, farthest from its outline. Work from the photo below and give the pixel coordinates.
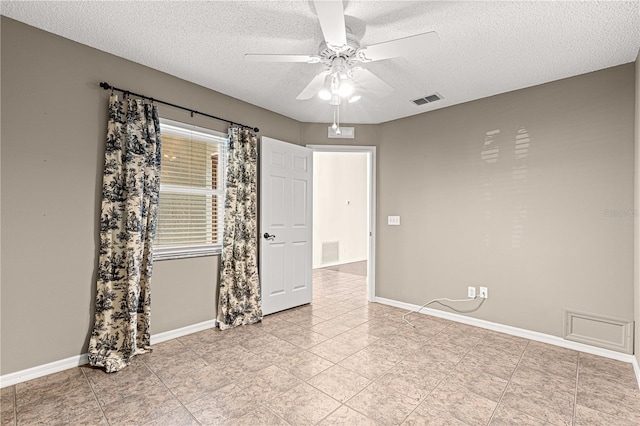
(325, 94)
(345, 89)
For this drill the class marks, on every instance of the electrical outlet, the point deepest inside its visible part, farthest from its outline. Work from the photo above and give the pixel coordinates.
(471, 292)
(484, 292)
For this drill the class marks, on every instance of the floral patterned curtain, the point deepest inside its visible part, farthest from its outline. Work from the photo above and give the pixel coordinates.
(131, 185)
(239, 301)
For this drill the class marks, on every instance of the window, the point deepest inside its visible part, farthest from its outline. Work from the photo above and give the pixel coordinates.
(191, 205)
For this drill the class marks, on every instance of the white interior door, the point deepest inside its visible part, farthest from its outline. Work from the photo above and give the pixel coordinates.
(285, 225)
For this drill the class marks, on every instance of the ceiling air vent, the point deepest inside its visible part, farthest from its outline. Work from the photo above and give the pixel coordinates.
(427, 99)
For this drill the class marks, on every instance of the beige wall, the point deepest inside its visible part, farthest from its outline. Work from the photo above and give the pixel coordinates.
(463, 219)
(54, 126)
(636, 257)
(545, 227)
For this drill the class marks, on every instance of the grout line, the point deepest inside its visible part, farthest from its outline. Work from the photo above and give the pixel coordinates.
(575, 395)
(446, 374)
(15, 404)
(95, 396)
(170, 391)
(509, 382)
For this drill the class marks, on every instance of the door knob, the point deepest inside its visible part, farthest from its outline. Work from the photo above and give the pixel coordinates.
(269, 237)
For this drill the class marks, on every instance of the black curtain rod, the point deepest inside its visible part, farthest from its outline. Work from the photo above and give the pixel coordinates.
(107, 86)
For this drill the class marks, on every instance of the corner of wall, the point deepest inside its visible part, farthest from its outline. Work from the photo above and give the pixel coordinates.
(636, 261)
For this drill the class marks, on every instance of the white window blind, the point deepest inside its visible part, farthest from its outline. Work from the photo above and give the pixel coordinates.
(191, 205)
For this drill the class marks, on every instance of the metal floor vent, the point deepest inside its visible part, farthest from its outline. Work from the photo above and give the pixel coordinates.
(427, 99)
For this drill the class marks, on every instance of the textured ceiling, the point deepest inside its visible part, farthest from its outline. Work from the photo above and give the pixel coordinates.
(486, 48)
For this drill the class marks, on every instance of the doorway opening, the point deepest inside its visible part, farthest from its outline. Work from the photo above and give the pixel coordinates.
(344, 210)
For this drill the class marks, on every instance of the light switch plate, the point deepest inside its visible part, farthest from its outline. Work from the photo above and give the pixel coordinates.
(393, 220)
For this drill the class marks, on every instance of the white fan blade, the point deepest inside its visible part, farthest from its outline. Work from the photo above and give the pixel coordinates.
(314, 87)
(414, 45)
(331, 17)
(310, 59)
(370, 82)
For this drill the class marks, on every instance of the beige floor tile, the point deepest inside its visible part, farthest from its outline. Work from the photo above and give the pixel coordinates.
(376, 327)
(405, 341)
(339, 383)
(139, 408)
(71, 407)
(422, 324)
(550, 383)
(494, 363)
(432, 415)
(330, 328)
(225, 404)
(553, 366)
(260, 416)
(304, 365)
(430, 357)
(505, 343)
(350, 320)
(196, 384)
(354, 336)
(603, 365)
(539, 404)
(270, 383)
(508, 417)
(117, 387)
(257, 342)
(454, 339)
(57, 398)
(588, 417)
(50, 385)
(300, 336)
(303, 405)
(458, 328)
(383, 405)
(345, 416)
(309, 321)
(460, 403)
(607, 369)
(412, 382)
(386, 372)
(335, 350)
(609, 397)
(547, 351)
(370, 362)
(92, 417)
(177, 417)
(171, 367)
(479, 382)
(7, 405)
(275, 352)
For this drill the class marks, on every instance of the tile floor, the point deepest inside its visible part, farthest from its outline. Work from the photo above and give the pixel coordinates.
(339, 361)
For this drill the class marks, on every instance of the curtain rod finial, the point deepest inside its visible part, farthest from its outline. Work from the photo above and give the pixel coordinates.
(105, 85)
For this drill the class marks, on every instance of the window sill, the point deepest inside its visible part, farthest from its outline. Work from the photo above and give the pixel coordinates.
(172, 254)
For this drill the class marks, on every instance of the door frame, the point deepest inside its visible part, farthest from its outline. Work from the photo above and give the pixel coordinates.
(371, 189)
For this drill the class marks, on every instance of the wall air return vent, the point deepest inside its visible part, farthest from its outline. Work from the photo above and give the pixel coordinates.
(427, 99)
(330, 252)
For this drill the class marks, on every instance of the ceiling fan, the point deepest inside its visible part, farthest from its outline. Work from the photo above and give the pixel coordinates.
(343, 57)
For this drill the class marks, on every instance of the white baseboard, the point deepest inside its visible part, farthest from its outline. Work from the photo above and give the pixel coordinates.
(78, 360)
(636, 368)
(515, 331)
(339, 262)
(43, 370)
(183, 331)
